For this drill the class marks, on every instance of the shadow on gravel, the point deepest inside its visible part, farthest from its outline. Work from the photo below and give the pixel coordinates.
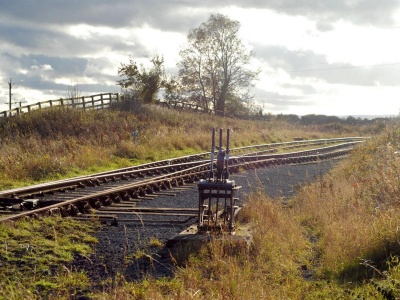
(125, 250)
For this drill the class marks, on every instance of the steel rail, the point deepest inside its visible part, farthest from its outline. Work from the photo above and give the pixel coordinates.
(298, 153)
(191, 174)
(147, 183)
(158, 166)
(92, 180)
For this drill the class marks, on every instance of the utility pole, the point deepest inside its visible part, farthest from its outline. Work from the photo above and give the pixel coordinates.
(10, 85)
(9, 93)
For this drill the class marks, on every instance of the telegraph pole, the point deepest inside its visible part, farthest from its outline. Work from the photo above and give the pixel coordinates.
(10, 84)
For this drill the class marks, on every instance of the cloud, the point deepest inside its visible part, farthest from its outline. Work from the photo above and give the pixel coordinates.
(279, 102)
(308, 64)
(114, 14)
(160, 12)
(305, 48)
(379, 13)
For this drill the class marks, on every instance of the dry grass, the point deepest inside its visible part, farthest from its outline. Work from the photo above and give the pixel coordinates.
(338, 238)
(355, 211)
(58, 143)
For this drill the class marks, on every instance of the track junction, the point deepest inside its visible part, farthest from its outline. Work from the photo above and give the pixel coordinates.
(108, 195)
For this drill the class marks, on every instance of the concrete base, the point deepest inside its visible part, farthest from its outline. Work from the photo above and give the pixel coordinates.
(191, 236)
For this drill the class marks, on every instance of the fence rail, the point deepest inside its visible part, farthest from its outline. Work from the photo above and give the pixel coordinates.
(99, 101)
(183, 106)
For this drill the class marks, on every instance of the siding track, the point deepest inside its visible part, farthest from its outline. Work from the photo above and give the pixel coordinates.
(108, 195)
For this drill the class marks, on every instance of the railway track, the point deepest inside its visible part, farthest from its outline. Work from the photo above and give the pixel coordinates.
(108, 195)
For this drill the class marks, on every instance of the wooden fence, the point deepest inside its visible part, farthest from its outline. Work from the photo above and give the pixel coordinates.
(99, 101)
(183, 106)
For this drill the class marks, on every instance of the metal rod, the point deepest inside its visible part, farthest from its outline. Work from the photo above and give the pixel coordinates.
(211, 176)
(209, 210)
(216, 210)
(226, 173)
(220, 139)
(201, 211)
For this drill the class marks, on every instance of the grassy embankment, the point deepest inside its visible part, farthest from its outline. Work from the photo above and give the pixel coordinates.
(55, 143)
(336, 238)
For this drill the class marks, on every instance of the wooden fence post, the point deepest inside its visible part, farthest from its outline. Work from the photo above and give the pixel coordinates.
(83, 103)
(106, 100)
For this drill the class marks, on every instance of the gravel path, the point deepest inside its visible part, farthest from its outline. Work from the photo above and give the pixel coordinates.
(131, 240)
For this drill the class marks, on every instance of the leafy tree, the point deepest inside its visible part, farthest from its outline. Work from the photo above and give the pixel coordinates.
(215, 64)
(144, 83)
(234, 106)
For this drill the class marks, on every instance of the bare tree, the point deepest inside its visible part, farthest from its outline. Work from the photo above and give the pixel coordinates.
(216, 64)
(73, 91)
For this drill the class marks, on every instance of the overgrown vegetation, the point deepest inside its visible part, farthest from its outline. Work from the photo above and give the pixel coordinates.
(55, 143)
(338, 238)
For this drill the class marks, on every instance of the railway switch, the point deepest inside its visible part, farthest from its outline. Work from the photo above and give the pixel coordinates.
(217, 194)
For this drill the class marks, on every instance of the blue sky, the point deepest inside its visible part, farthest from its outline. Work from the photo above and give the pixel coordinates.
(334, 57)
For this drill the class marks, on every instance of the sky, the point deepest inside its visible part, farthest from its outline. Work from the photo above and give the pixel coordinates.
(332, 57)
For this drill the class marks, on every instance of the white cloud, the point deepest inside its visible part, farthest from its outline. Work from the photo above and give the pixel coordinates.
(270, 28)
(45, 67)
(357, 45)
(156, 40)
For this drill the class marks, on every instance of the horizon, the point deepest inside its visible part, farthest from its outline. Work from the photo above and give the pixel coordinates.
(369, 117)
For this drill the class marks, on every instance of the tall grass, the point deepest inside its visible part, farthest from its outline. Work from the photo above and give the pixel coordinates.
(356, 210)
(55, 143)
(338, 238)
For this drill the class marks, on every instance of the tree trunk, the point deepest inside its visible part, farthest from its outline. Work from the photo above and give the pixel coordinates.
(221, 101)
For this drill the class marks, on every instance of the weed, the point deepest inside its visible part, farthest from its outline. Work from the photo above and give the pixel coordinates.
(155, 242)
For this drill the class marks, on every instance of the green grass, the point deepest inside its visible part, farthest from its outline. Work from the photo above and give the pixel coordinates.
(36, 258)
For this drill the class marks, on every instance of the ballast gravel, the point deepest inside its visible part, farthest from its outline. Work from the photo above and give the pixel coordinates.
(125, 249)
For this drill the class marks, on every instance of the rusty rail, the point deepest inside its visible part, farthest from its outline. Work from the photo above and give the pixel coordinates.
(178, 175)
